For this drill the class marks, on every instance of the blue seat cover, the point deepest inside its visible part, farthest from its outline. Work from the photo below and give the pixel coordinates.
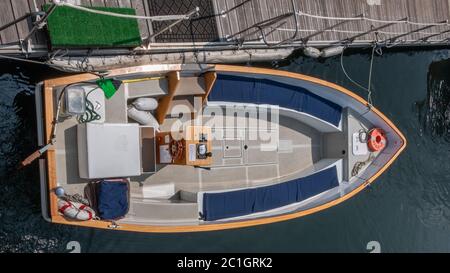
(112, 199)
(221, 205)
(264, 91)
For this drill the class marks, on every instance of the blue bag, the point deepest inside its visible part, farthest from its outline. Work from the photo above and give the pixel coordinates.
(112, 199)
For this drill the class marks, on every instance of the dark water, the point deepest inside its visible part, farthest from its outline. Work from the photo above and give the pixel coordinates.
(407, 209)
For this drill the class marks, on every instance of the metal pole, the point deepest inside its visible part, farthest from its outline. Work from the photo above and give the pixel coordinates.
(351, 39)
(425, 39)
(19, 19)
(446, 40)
(223, 13)
(39, 24)
(305, 39)
(268, 33)
(292, 38)
(393, 39)
(263, 24)
(197, 9)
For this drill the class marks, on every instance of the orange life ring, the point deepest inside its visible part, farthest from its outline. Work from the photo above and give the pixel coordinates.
(376, 139)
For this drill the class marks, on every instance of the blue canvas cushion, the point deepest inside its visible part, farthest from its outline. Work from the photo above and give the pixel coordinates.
(228, 204)
(112, 199)
(232, 88)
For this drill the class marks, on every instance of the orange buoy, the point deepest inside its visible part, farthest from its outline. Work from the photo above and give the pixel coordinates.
(376, 139)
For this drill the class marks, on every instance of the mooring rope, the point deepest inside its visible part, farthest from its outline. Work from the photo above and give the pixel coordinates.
(301, 13)
(114, 14)
(369, 84)
(355, 31)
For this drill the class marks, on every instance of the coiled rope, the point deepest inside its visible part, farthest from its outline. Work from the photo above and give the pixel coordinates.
(75, 198)
(360, 164)
(90, 114)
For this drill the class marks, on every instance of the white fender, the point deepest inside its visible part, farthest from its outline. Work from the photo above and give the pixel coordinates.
(331, 51)
(75, 210)
(145, 104)
(312, 52)
(142, 117)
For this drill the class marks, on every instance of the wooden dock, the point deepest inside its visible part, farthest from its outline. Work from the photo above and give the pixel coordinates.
(425, 11)
(242, 24)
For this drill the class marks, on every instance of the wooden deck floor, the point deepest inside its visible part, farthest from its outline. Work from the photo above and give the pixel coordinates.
(429, 11)
(254, 11)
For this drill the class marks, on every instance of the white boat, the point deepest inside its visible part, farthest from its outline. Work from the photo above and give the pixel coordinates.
(205, 148)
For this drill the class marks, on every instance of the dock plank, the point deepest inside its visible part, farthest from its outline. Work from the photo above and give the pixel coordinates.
(97, 3)
(257, 13)
(274, 10)
(124, 3)
(290, 23)
(144, 25)
(39, 37)
(37, 4)
(227, 30)
(8, 35)
(242, 17)
(221, 28)
(21, 8)
(111, 3)
(85, 3)
(234, 21)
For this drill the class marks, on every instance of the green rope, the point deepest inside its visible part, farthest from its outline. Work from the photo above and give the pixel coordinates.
(90, 114)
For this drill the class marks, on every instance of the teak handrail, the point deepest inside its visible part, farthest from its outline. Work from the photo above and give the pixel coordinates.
(173, 80)
(210, 78)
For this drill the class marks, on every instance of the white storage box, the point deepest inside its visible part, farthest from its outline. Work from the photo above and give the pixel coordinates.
(108, 150)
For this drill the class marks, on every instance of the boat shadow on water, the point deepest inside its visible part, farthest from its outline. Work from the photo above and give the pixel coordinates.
(434, 111)
(433, 117)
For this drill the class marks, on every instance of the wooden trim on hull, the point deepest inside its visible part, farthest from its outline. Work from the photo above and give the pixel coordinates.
(51, 163)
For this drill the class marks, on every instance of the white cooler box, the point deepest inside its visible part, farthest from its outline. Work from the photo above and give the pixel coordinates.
(108, 150)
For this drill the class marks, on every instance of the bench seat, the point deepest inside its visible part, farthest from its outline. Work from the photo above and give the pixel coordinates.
(231, 88)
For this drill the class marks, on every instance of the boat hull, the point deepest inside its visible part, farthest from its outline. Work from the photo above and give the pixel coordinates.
(331, 91)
